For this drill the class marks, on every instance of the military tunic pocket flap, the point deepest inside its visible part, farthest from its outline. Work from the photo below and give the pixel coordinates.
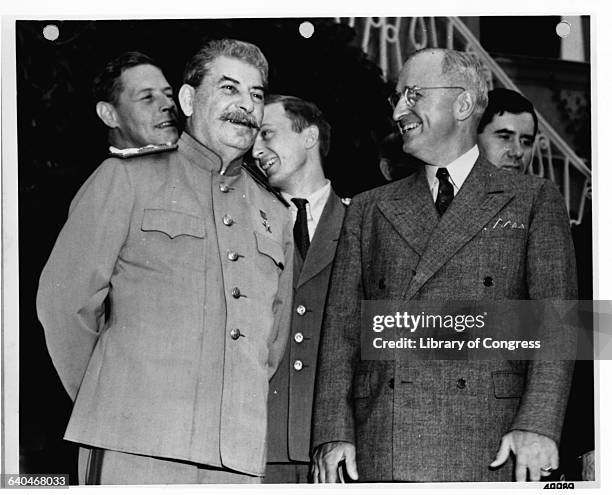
(361, 386)
(173, 223)
(508, 384)
(271, 248)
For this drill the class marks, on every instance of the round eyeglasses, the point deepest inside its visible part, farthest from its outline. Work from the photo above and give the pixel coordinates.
(412, 94)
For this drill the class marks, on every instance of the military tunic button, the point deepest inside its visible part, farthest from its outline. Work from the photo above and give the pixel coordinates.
(488, 281)
(298, 365)
(236, 292)
(227, 220)
(235, 333)
(461, 383)
(232, 255)
(300, 310)
(223, 187)
(298, 337)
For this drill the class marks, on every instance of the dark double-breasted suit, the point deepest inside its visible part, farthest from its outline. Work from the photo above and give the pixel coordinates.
(292, 387)
(442, 420)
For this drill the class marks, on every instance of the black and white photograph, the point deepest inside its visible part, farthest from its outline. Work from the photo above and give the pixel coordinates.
(196, 208)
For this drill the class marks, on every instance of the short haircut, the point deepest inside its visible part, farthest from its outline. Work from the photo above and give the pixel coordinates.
(465, 69)
(503, 100)
(198, 66)
(469, 68)
(303, 114)
(107, 84)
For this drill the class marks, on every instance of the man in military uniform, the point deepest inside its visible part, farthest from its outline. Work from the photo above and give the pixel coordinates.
(196, 260)
(135, 101)
(290, 147)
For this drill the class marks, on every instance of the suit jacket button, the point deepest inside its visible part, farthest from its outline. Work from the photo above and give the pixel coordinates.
(391, 383)
(235, 292)
(300, 310)
(223, 187)
(298, 365)
(488, 281)
(235, 333)
(232, 255)
(461, 383)
(228, 220)
(298, 337)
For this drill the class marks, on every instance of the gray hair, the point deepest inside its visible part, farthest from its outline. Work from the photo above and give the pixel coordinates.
(463, 68)
(198, 66)
(468, 68)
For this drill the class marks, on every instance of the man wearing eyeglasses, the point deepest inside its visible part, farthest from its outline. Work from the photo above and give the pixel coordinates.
(451, 231)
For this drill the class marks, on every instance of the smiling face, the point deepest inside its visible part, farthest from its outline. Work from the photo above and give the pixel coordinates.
(225, 111)
(145, 112)
(429, 126)
(281, 152)
(507, 141)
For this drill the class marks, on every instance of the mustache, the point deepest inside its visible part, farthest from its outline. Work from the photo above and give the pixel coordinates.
(242, 117)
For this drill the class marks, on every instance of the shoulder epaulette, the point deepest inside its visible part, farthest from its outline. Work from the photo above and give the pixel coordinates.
(259, 177)
(145, 150)
(346, 201)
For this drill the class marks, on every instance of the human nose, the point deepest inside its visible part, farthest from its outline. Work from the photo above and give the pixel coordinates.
(167, 104)
(246, 103)
(257, 148)
(515, 149)
(400, 109)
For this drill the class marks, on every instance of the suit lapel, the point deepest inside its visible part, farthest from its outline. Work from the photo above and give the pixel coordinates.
(478, 200)
(323, 246)
(298, 263)
(411, 211)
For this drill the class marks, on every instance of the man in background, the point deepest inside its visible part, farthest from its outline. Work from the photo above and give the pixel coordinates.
(135, 101)
(507, 130)
(393, 163)
(506, 136)
(290, 148)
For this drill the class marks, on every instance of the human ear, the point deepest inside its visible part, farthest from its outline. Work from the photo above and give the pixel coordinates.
(464, 105)
(107, 113)
(185, 97)
(311, 136)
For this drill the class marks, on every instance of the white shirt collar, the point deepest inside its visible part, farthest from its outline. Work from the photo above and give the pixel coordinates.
(314, 207)
(458, 170)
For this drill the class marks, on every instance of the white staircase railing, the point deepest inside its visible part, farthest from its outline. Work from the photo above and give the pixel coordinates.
(389, 40)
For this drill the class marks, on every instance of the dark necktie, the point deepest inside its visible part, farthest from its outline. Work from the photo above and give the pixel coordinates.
(300, 228)
(445, 191)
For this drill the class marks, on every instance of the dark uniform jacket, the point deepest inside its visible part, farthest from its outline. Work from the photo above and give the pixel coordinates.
(292, 387)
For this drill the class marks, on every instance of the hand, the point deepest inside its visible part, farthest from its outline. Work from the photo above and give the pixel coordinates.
(534, 452)
(588, 466)
(326, 462)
